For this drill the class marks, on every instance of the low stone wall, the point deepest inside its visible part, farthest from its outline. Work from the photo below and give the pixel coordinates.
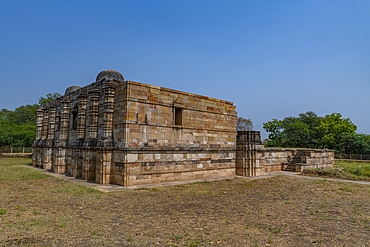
(279, 159)
(320, 158)
(253, 159)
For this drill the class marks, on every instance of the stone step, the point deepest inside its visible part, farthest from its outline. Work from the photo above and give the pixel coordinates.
(292, 166)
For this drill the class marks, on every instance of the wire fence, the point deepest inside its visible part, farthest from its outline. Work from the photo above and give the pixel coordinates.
(15, 150)
(352, 156)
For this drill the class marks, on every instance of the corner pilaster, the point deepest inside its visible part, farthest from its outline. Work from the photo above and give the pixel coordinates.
(61, 143)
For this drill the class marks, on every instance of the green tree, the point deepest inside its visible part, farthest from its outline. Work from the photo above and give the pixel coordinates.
(6, 137)
(17, 135)
(332, 127)
(4, 115)
(312, 122)
(311, 131)
(25, 114)
(275, 128)
(243, 124)
(48, 97)
(353, 144)
(297, 135)
(18, 127)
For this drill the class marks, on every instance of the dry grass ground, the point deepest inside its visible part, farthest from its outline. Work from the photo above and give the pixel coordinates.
(37, 210)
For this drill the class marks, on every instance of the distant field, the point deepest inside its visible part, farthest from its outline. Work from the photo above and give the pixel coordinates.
(361, 169)
(38, 210)
(344, 170)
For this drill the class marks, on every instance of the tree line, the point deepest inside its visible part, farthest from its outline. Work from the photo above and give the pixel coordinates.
(311, 131)
(18, 127)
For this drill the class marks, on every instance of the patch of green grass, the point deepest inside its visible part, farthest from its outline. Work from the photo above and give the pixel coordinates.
(358, 169)
(192, 243)
(142, 189)
(19, 173)
(15, 161)
(78, 189)
(204, 182)
(11, 170)
(325, 217)
(345, 189)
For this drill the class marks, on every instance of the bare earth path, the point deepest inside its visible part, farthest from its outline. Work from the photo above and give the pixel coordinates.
(271, 211)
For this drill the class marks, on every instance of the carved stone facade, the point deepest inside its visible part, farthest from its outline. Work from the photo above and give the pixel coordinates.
(127, 133)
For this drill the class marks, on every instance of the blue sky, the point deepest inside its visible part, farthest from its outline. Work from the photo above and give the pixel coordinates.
(273, 59)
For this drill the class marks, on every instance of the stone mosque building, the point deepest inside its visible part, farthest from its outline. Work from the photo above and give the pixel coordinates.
(115, 131)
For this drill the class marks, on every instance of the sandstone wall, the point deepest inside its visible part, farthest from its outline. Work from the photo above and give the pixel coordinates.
(279, 159)
(157, 149)
(124, 132)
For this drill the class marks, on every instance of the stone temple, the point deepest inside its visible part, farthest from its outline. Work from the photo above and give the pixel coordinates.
(115, 131)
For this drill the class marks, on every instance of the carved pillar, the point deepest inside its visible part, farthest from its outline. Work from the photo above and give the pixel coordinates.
(51, 124)
(103, 166)
(39, 124)
(250, 154)
(36, 155)
(61, 143)
(81, 118)
(48, 151)
(92, 131)
(107, 137)
(44, 136)
(78, 153)
(45, 122)
(89, 154)
(104, 156)
(64, 120)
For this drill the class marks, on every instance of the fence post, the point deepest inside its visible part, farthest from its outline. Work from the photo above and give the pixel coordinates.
(350, 156)
(361, 156)
(11, 150)
(23, 149)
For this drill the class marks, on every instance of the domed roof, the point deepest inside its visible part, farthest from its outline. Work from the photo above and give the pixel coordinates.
(110, 74)
(71, 89)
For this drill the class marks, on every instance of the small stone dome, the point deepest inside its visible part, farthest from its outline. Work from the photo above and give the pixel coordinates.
(110, 74)
(71, 89)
